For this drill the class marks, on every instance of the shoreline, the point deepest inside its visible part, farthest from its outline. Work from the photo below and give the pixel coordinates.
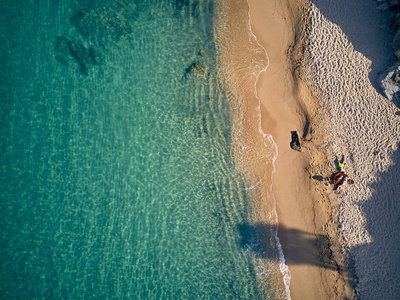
(309, 241)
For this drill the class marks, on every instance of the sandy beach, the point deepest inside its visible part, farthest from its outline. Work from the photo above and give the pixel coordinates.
(287, 105)
(321, 82)
(147, 149)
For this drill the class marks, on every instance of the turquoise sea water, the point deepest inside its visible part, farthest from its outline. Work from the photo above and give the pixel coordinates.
(117, 176)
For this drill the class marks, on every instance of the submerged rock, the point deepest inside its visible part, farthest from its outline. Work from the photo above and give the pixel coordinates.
(196, 68)
(70, 52)
(81, 54)
(63, 52)
(96, 56)
(101, 24)
(180, 4)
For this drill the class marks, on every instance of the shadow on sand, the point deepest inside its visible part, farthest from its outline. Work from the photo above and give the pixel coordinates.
(378, 262)
(299, 247)
(359, 28)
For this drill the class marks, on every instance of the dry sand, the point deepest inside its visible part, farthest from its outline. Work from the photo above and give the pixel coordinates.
(304, 212)
(322, 232)
(349, 45)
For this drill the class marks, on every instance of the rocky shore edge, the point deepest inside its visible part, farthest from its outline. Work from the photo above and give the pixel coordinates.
(389, 80)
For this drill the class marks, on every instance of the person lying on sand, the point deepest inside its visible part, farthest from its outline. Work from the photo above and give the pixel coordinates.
(340, 178)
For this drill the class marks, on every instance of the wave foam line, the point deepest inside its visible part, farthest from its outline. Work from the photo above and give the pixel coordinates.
(268, 137)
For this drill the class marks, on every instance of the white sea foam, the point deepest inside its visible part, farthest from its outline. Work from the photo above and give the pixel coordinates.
(268, 140)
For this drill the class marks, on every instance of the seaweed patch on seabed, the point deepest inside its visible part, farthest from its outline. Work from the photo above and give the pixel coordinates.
(189, 7)
(99, 25)
(196, 69)
(70, 53)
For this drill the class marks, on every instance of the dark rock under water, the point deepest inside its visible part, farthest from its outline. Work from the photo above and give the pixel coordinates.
(101, 25)
(98, 25)
(70, 53)
(196, 68)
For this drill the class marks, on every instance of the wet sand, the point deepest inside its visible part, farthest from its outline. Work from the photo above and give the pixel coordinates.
(309, 242)
(319, 80)
(324, 60)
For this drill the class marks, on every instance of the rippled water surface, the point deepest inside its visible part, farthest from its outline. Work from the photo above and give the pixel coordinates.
(117, 175)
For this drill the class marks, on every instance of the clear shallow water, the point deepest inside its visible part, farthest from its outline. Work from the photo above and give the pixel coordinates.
(117, 174)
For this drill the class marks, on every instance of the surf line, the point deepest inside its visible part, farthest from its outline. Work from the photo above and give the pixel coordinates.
(268, 138)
